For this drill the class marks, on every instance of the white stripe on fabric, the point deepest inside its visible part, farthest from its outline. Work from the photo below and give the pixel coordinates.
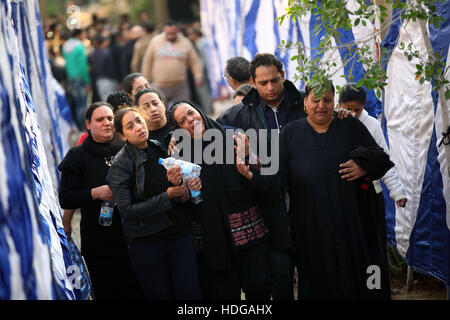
(409, 114)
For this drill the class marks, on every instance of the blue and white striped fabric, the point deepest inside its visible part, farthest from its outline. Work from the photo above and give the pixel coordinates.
(411, 117)
(34, 252)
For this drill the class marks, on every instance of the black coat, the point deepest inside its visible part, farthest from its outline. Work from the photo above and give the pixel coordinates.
(83, 168)
(249, 114)
(334, 220)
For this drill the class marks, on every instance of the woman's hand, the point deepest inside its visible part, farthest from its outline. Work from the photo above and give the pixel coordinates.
(401, 203)
(351, 171)
(242, 146)
(174, 175)
(172, 149)
(103, 193)
(176, 191)
(343, 113)
(195, 184)
(244, 170)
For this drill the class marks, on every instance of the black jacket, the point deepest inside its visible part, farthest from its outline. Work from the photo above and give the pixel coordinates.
(249, 114)
(141, 216)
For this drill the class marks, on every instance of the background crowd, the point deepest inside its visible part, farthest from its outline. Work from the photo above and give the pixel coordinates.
(90, 63)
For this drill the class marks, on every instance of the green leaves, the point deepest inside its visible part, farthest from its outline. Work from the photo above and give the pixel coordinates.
(333, 15)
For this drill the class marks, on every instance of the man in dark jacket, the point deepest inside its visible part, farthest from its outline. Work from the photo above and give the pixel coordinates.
(271, 104)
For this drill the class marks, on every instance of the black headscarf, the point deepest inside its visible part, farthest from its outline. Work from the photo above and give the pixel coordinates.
(222, 194)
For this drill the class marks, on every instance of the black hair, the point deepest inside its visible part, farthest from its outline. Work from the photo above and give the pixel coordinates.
(119, 117)
(90, 110)
(238, 68)
(118, 99)
(265, 59)
(170, 23)
(328, 85)
(158, 92)
(76, 32)
(350, 92)
(148, 26)
(127, 82)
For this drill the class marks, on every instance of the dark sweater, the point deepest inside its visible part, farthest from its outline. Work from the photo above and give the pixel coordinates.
(83, 168)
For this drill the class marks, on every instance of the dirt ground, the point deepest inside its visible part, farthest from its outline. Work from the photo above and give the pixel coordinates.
(422, 287)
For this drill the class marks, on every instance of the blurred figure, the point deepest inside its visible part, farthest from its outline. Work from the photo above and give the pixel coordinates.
(241, 92)
(126, 54)
(203, 91)
(166, 61)
(77, 69)
(101, 61)
(141, 45)
(237, 72)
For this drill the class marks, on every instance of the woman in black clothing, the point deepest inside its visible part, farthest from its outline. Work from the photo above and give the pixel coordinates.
(155, 215)
(151, 103)
(231, 235)
(83, 185)
(327, 163)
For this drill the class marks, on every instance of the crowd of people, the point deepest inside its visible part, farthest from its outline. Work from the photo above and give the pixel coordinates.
(90, 63)
(321, 216)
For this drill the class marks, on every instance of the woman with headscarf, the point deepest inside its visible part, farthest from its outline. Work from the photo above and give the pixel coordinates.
(83, 185)
(327, 163)
(231, 233)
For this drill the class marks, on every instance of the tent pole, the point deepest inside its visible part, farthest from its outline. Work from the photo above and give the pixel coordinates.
(409, 278)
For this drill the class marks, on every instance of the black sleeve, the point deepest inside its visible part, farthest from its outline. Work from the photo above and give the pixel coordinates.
(72, 195)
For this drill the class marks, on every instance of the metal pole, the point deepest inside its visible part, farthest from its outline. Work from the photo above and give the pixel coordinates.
(409, 278)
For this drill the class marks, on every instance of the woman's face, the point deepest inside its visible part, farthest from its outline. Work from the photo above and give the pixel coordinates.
(138, 84)
(153, 110)
(187, 117)
(135, 129)
(101, 124)
(320, 111)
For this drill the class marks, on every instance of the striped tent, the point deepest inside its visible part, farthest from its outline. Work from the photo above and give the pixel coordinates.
(37, 262)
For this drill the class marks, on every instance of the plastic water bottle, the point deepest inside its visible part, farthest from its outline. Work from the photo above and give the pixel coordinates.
(106, 213)
(189, 171)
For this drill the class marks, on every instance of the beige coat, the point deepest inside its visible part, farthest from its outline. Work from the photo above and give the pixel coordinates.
(165, 64)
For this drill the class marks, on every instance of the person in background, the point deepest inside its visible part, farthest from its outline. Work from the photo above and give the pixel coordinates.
(77, 70)
(141, 45)
(237, 72)
(83, 185)
(101, 61)
(354, 98)
(133, 34)
(241, 92)
(203, 91)
(166, 61)
(156, 218)
(327, 165)
(133, 83)
(151, 105)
